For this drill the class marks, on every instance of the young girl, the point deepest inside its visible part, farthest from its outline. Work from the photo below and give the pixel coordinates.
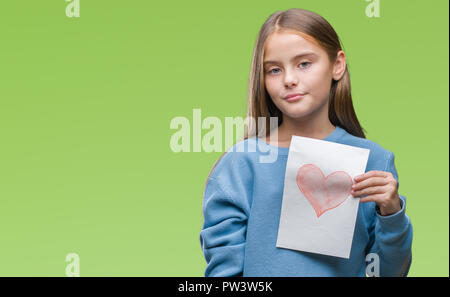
(299, 75)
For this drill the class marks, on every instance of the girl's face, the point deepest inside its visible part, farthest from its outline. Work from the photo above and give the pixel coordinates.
(295, 65)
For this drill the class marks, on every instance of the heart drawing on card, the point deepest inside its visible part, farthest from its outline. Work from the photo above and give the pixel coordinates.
(323, 193)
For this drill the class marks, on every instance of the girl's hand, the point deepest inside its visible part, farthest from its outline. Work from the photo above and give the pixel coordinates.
(381, 187)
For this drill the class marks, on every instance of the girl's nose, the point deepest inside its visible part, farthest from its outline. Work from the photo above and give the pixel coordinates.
(290, 79)
(291, 83)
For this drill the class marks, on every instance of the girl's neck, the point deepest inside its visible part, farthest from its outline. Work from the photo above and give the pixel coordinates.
(289, 127)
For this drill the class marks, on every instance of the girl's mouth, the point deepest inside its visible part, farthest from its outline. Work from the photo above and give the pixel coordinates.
(295, 98)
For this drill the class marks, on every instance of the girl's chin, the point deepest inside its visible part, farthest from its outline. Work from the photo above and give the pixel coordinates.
(299, 113)
(295, 112)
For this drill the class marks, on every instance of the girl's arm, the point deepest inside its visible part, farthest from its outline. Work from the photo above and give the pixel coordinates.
(390, 235)
(224, 230)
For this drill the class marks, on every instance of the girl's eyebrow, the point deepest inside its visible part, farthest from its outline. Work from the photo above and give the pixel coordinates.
(294, 58)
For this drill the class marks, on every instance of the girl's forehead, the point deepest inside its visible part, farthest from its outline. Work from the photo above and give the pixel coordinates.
(282, 43)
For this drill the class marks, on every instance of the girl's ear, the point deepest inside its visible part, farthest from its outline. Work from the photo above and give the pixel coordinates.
(339, 66)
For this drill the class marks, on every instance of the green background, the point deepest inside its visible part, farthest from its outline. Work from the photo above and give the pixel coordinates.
(86, 103)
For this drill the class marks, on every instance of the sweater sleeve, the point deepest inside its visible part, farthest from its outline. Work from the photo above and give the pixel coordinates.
(222, 237)
(391, 236)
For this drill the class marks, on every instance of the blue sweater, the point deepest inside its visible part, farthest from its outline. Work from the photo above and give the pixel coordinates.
(241, 211)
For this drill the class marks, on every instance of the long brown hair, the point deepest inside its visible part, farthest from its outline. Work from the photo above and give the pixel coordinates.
(314, 27)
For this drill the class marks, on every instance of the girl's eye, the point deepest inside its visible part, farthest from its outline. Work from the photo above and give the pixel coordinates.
(271, 71)
(308, 63)
(305, 65)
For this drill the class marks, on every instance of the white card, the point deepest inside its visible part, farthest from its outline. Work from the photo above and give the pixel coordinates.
(318, 213)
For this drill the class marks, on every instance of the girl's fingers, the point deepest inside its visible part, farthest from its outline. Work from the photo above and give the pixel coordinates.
(372, 173)
(369, 191)
(370, 182)
(370, 198)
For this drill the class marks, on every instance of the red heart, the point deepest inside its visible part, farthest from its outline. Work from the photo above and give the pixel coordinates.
(323, 193)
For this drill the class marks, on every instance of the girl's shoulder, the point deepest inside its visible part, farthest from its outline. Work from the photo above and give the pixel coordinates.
(238, 157)
(378, 155)
(233, 171)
